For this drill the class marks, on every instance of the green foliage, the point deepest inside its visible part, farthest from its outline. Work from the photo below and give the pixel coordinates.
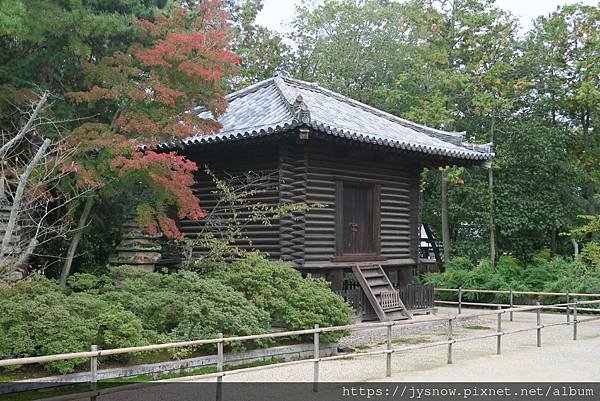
(460, 263)
(461, 66)
(588, 234)
(40, 319)
(262, 52)
(129, 306)
(539, 274)
(296, 302)
(182, 304)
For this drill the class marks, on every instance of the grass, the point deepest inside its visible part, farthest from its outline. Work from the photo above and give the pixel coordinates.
(410, 340)
(476, 327)
(108, 383)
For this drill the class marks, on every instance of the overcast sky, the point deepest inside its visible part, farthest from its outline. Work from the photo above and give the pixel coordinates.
(277, 14)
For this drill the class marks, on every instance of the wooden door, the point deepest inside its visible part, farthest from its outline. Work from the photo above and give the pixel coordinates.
(357, 222)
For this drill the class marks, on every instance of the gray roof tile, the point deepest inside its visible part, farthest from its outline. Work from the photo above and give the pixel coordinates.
(267, 108)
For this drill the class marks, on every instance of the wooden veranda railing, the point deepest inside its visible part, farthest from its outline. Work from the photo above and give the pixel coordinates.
(414, 297)
(574, 308)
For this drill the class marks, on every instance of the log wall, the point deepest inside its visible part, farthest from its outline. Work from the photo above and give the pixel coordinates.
(307, 172)
(399, 180)
(233, 160)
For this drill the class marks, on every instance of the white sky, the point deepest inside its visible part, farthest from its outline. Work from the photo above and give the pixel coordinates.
(277, 14)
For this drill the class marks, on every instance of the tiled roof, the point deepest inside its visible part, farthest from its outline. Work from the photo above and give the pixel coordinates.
(277, 104)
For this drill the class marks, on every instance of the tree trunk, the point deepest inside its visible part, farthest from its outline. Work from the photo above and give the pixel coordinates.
(445, 224)
(589, 189)
(492, 229)
(493, 252)
(575, 248)
(553, 242)
(83, 220)
(16, 203)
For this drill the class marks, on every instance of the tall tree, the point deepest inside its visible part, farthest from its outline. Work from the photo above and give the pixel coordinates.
(354, 47)
(562, 59)
(142, 98)
(262, 52)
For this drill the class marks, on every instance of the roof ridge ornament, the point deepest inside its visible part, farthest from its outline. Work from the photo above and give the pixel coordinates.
(300, 111)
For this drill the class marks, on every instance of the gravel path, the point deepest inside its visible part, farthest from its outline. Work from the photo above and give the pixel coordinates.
(559, 359)
(359, 338)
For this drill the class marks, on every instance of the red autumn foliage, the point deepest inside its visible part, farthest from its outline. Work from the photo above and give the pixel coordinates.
(146, 96)
(174, 175)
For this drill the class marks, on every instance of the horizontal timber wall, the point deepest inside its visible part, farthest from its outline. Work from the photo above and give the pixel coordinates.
(233, 160)
(398, 177)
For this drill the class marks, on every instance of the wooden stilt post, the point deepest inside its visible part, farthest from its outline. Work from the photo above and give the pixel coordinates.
(450, 338)
(93, 372)
(459, 300)
(568, 307)
(316, 363)
(220, 368)
(575, 320)
(539, 324)
(512, 303)
(388, 360)
(499, 338)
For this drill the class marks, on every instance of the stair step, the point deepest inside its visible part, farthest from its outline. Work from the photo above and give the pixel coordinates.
(369, 267)
(372, 273)
(378, 290)
(373, 282)
(396, 315)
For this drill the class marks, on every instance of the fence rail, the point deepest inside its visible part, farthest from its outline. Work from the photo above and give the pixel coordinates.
(511, 293)
(572, 308)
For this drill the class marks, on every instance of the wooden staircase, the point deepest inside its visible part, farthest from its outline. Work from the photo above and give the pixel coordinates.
(380, 292)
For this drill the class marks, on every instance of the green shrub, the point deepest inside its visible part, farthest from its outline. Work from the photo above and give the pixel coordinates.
(291, 300)
(40, 319)
(460, 263)
(539, 274)
(182, 304)
(118, 328)
(128, 307)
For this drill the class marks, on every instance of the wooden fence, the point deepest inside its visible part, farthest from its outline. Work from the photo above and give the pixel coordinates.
(511, 298)
(414, 297)
(573, 308)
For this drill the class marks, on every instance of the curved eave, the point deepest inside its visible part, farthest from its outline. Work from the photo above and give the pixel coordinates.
(465, 154)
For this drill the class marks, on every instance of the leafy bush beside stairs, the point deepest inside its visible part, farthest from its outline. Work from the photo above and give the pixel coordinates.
(129, 307)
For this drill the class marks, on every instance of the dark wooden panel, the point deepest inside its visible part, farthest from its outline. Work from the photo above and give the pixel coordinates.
(292, 178)
(230, 161)
(398, 180)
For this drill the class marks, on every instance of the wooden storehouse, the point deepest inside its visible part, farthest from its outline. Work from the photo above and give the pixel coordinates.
(360, 164)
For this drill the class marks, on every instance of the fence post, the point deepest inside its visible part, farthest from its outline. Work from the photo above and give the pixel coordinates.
(220, 367)
(388, 361)
(499, 337)
(459, 300)
(316, 363)
(93, 372)
(568, 307)
(512, 303)
(450, 338)
(575, 320)
(539, 324)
